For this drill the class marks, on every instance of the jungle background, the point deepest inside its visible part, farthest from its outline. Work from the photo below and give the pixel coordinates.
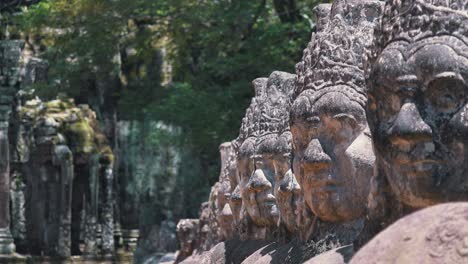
(169, 79)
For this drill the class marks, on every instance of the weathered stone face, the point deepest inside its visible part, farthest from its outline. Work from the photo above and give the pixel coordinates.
(287, 190)
(187, 232)
(235, 202)
(258, 193)
(418, 100)
(224, 214)
(333, 155)
(261, 157)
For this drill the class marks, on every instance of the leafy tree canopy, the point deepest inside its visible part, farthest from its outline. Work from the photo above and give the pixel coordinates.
(188, 63)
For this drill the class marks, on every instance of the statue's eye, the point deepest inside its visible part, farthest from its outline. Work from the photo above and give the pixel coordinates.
(445, 94)
(347, 119)
(313, 121)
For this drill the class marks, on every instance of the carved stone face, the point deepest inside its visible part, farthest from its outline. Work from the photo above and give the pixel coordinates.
(418, 112)
(187, 231)
(225, 221)
(333, 156)
(235, 202)
(257, 188)
(224, 214)
(287, 190)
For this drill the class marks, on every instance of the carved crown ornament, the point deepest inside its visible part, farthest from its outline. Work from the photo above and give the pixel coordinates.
(333, 60)
(408, 25)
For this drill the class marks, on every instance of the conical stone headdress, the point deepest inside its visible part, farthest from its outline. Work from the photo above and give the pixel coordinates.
(275, 104)
(334, 56)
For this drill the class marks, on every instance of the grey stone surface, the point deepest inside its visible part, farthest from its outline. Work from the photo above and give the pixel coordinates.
(333, 157)
(224, 215)
(187, 233)
(438, 234)
(10, 64)
(416, 74)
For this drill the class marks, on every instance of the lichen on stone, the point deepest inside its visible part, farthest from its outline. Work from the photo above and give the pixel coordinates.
(61, 121)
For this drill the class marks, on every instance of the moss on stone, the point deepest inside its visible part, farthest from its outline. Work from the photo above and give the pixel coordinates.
(78, 124)
(81, 136)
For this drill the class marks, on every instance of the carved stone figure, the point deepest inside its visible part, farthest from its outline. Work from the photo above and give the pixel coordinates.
(438, 234)
(223, 212)
(56, 138)
(264, 156)
(245, 149)
(10, 64)
(187, 233)
(333, 157)
(275, 114)
(417, 77)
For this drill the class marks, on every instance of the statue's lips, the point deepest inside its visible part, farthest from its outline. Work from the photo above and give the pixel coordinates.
(419, 165)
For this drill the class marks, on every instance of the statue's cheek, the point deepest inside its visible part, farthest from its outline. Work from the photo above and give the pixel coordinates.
(458, 125)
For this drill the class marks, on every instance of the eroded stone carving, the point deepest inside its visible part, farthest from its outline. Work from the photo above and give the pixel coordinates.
(333, 157)
(59, 136)
(438, 234)
(245, 149)
(266, 183)
(187, 233)
(10, 65)
(223, 212)
(418, 109)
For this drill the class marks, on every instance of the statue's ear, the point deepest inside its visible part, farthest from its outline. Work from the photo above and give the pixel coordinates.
(380, 198)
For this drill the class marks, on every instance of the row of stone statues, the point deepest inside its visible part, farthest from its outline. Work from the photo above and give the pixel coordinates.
(56, 181)
(373, 126)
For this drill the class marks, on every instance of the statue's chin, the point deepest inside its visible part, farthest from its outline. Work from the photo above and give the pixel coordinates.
(406, 181)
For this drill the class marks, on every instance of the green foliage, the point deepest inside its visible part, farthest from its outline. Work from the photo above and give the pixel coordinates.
(81, 38)
(215, 49)
(219, 47)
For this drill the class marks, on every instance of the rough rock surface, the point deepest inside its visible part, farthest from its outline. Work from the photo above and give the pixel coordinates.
(416, 74)
(187, 233)
(56, 139)
(333, 157)
(438, 234)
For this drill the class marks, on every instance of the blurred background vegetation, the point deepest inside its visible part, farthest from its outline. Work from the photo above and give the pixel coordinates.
(169, 79)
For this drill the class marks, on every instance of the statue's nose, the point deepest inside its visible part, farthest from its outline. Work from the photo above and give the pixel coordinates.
(315, 156)
(409, 125)
(291, 186)
(258, 181)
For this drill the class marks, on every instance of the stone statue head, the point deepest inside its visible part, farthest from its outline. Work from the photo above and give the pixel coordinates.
(321, 15)
(417, 75)
(333, 156)
(244, 148)
(287, 190)
(224, 214)
(187, 232)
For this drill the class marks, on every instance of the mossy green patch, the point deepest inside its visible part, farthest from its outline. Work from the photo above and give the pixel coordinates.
(81, 136)
(82, 131)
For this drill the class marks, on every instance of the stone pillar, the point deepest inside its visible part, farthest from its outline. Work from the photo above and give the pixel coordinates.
(107, 210)
(10, 63)
(91, 207)
(6, 240)
(64, 159)
(18, 210)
